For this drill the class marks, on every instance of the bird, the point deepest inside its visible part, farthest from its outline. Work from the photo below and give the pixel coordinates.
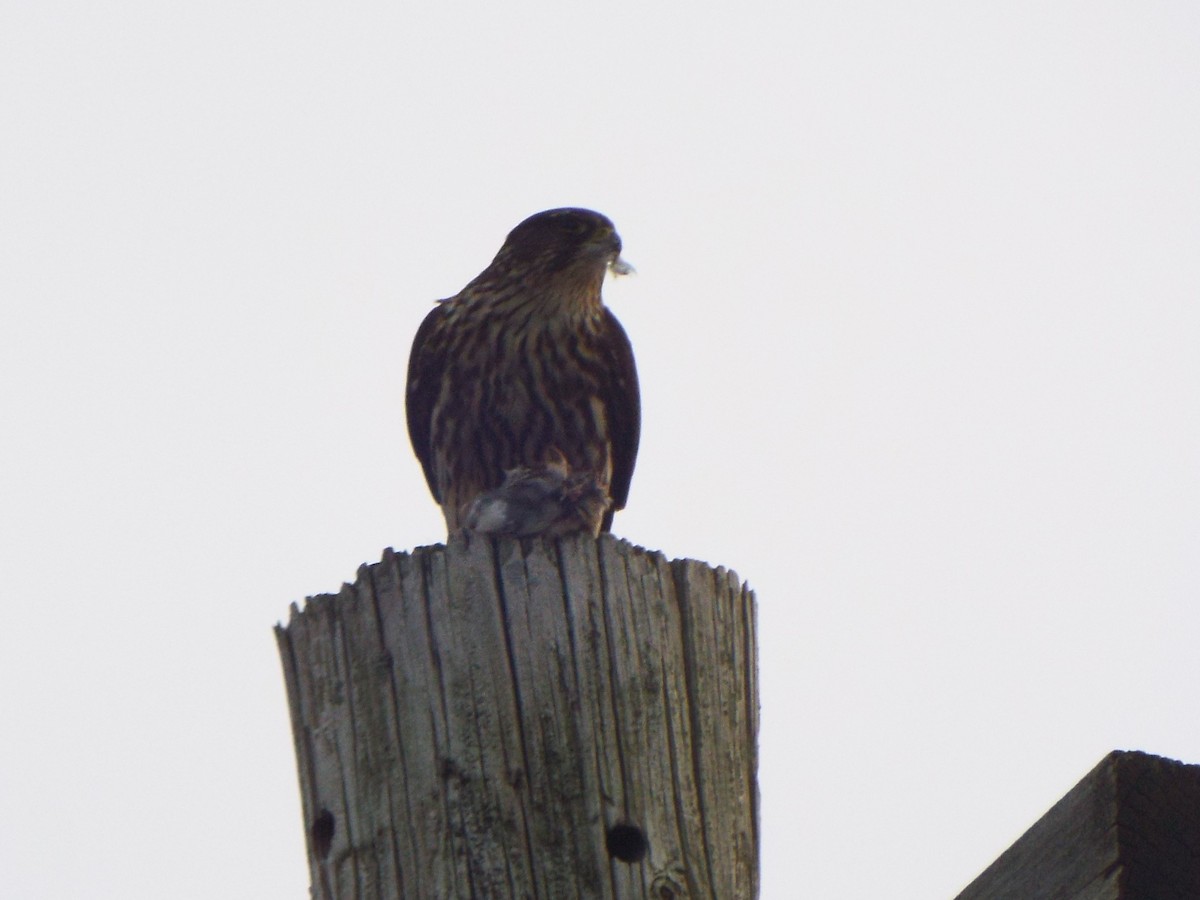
(549, 500)
(525, 368)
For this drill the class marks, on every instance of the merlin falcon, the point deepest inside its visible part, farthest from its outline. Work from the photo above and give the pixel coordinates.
(525, 370)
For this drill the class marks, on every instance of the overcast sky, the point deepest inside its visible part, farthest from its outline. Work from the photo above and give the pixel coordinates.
(918, 326)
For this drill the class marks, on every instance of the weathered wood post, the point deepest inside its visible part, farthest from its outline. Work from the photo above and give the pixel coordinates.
(1130, 830)
(506, 719)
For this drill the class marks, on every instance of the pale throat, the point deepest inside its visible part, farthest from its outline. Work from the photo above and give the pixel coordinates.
(574, 293)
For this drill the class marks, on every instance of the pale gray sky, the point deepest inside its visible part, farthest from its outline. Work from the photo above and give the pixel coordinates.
(917, 319)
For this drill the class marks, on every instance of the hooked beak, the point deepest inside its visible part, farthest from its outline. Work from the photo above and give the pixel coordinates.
(619, 267)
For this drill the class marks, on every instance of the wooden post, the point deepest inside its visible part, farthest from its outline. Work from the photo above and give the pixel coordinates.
(506, 719)
(1130, 830)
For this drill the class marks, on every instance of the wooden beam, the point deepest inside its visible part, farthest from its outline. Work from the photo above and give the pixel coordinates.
(506, 719)
(1130, 830)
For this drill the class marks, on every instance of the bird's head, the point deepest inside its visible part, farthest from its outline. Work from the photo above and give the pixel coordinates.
(577, 244)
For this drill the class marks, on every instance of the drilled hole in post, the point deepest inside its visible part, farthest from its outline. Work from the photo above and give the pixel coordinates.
(322, 833)
(626, 842)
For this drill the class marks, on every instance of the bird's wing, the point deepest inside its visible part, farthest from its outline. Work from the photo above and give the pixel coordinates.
(426, 367)
(623, 408)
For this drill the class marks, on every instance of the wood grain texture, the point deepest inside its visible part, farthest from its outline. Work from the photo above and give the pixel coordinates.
(1130, 830)
(472, 720)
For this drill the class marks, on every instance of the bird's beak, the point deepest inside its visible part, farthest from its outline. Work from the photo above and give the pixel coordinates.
(618, 267)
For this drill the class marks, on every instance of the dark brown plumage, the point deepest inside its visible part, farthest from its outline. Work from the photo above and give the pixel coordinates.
(526, 367)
